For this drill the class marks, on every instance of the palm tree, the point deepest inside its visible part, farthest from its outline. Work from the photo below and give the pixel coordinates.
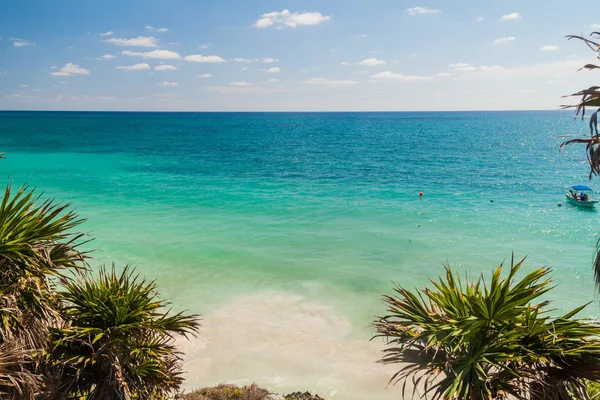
(36, 250)
(119, 340)
(590, 97)
(493, 340)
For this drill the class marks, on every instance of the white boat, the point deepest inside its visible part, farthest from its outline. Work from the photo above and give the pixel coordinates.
(581, 196)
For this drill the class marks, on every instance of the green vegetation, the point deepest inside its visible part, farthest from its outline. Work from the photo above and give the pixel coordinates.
(229, 392)
(65, 334)
(118, 343)
(252, 392)
(489, 340)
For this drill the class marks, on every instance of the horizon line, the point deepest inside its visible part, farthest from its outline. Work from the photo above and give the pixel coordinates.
(279, 111)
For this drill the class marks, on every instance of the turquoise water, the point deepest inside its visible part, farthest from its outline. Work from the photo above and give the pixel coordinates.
(319, 208)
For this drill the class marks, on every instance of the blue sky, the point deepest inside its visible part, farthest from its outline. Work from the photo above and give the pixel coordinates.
(291, 55)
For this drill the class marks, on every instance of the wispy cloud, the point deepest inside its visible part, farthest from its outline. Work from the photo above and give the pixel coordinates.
(152, 29)
(504, 40)
(168, 84)
(109, 33)
(367, 62)
(595, 26)
(155, 54)
(239, 83)
(71, 69)
(204, 76)
(391, 76)
(274, 70)
(479, 19)
(423, 10)
(462, 67)
(17, 42)
(165, 67)
(285, 18)
(140, 41)
(256, 60)
(550, 48)
(199, 58)
(330, 82)
(135, 67)
(510, 17)
(107, 57)
(244, 90)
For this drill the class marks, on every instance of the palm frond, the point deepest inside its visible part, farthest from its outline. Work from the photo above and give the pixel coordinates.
(119, 340)
(476, 339)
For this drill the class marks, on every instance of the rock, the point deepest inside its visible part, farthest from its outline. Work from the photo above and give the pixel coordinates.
(273, 396)
(302, 396)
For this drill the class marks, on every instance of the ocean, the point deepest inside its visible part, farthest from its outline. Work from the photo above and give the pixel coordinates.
(283, 230)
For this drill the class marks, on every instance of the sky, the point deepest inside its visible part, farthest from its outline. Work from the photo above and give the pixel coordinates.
(276, 55)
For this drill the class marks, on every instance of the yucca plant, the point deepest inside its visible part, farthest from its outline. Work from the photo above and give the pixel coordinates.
(119, 340)
(36, 251)
(35, 246)
(17, 381)
(477, 340)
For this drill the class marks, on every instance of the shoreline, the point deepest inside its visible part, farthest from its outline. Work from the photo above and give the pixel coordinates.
(283, 343)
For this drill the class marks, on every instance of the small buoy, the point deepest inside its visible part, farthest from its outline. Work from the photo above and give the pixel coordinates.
(420, 194)
(491, 201)
(560, 205)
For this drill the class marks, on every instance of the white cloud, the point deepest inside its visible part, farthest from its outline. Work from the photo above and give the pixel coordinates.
(479, 19)
(22, 42)
(204, 76)
(239, 83)
(422, 10)
(152, 29)
(135, 67)
(461, 67)
(493, 68)
(266, 60)
(168, 84)
(109, 33)
(245, 69)
(140, 41)
(274, 70)
(273, 80)
(204, 59)
(595, 26)
(550, 48)
(364, 35)
(505, 40)
(510, 17)
(71, 69)
(155, 54)
(330, 82)
(204, 46)
(367, 62)
(289, 19)
(390, 76)
(443, 74)
(165, 68)
(106, 57)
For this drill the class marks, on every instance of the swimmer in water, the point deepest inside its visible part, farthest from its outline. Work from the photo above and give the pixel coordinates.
(594, 122)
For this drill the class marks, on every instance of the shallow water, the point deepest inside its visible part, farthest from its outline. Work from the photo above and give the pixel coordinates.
(283, 229)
